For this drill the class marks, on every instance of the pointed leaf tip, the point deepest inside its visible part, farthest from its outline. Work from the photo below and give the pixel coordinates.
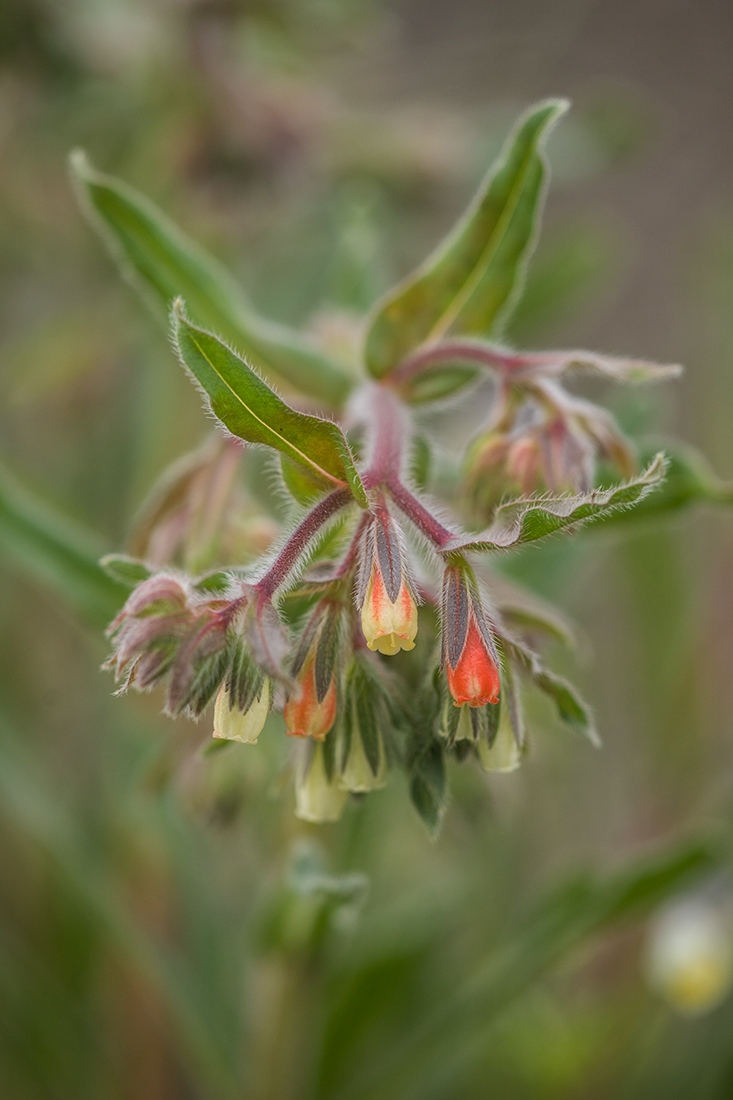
(471, 280)
(530, 519)
(162, 262)
(252, 411)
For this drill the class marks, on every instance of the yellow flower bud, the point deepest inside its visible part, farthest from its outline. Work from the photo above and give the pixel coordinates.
(388, 627)
(317, 798)
(236, 725)
(504, 755)
(357, 775)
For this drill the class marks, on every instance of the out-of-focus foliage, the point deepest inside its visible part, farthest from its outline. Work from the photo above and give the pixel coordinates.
(166, 929)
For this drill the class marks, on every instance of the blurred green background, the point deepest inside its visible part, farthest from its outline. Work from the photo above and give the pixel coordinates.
(167, 929)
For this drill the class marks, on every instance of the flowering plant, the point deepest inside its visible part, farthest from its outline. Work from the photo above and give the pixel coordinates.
(373, 622)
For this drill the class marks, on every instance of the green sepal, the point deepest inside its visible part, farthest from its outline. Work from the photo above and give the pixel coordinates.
(164, 263)
(249, 409)
(216, 581)
(126, 570)
(469, 283)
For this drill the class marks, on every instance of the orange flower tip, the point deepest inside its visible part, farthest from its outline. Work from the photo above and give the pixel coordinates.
(475, 679)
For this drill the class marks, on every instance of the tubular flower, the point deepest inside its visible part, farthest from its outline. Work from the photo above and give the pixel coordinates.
(246, 725)
(305, 714)
(388, 609)
(469, 653)
(360, 745)
(318, 797)
(504, 754)
(311, 708)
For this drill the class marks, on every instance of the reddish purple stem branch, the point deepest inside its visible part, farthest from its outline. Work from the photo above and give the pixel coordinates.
(306, 530)
(432, 528)
(465, 351)
(391, 433)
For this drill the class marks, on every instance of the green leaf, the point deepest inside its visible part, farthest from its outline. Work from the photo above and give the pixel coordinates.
(126, 570)
(689, 480)
(164, 264)
(439, 381)
(56, 550)
(571, 708)
(469, 283)
(247, 406)
(527, 520)
(303, 484)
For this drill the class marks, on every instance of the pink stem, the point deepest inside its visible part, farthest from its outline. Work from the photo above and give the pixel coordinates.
(306, 530)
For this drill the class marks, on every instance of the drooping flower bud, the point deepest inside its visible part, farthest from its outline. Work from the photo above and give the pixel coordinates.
(360, 749)
(235, 724)
(310, 710)
(469, 653)
(318, 797)
(384, 589)
(504, 753)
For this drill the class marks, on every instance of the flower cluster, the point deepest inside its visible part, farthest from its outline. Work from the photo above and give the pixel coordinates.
(369, 626)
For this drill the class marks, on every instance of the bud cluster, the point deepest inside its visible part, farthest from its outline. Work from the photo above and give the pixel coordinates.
(540, 438)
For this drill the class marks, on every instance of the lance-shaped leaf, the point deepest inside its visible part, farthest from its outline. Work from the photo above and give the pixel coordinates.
(571, 708)
(55, 549)
(468, 284)
(164, 264)
(529, 519)
(246, 405)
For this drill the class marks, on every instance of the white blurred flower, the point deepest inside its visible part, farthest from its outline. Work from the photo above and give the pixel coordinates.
(689, 954)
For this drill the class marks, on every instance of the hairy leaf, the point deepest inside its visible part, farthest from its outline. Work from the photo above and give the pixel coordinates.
(689, 480)
(466, 286)
(529, 519)
(247, 406)
(156, 256)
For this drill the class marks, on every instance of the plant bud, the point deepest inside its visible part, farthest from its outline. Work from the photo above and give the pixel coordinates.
(318, 798)
(310, 710)
(388, 609)
(388, 626)
(305, 715)
(234, 724)
(469, 653)
(357, 775)
(689, 955)
(504, 753)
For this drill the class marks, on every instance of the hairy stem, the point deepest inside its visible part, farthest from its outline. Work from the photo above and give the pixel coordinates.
(390, 428)
(451, 351)
(298, 542)
(431, 527)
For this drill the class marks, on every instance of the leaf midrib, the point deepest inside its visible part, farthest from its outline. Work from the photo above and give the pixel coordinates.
(463, 296)
(291, 446)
